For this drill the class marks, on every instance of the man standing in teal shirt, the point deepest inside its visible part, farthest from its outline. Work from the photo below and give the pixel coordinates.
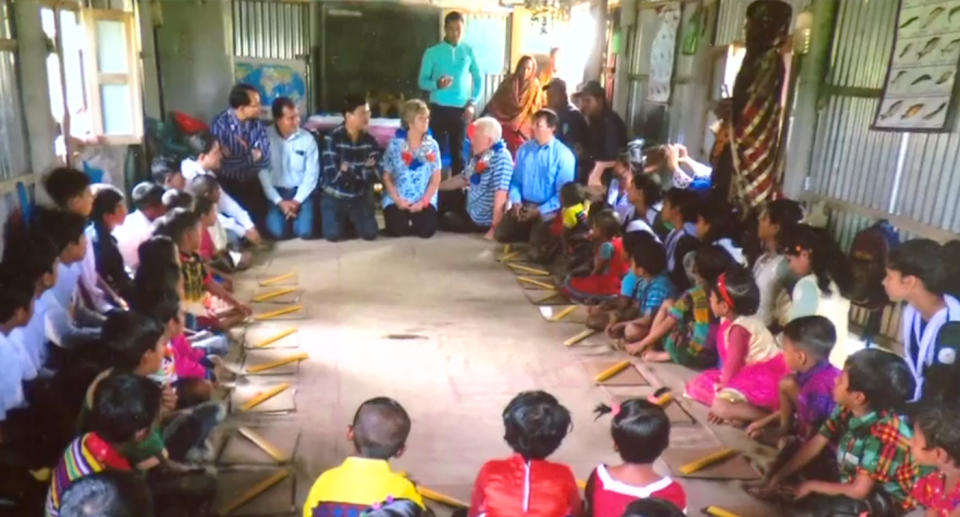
(447, 71)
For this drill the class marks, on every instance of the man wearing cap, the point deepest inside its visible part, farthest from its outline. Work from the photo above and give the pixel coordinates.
(573, 126)
(606, 137)
(449, 71)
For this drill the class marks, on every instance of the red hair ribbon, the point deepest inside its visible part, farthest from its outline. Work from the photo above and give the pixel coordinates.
(615, 409)
(722, 288)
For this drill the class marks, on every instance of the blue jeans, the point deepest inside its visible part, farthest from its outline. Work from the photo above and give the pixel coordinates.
(335, 212)
(279, 226)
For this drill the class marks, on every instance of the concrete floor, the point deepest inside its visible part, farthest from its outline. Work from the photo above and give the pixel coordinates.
(471, 341)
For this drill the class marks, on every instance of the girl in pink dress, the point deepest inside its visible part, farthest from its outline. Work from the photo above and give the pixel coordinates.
(751, 365)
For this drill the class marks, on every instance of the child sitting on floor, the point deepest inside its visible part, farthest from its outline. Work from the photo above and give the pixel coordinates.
(109, 212)
(679, 214)
(206, 210)
(806, 395)
(183, 227)
(876, 473)
(123, 414)
(771, 269)
(687, 327)
(624, 306)
(223, 256)
(651, 290)
(644, 193)
(609, 263)
(915, 275)
(378, 433)
(936, 443)
(744, 389)
(823, 277)
(165, 171)
(716, 226)
(525, 483)
(641, 432)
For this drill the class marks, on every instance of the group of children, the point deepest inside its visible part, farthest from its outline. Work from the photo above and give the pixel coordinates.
(109, 363)
(764, 315)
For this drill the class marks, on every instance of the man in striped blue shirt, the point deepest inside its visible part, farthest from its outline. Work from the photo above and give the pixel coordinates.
(476, 200)
(290, 180)
(246, 150)
(351, 165)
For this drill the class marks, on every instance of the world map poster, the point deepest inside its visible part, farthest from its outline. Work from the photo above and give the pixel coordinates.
(274, 78)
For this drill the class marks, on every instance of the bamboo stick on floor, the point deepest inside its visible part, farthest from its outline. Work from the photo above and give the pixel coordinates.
(441, 498)
(277, 279)
(277, 313)
(716, 511)
(263, 444)
(265, 396)
(706, 461)
(274, 338)
(613, 370)
(529, 270)
(274, 294)
(279, 362)
(563, 313)
(579, 337)
(537, 283)
(254, 491)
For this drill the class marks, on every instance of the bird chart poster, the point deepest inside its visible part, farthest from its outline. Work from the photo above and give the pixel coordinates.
(920, 91)
(662, 52)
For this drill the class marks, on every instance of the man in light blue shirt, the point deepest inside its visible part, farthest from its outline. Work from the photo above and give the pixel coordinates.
(294, 169)
(449, 72)
(544, 165)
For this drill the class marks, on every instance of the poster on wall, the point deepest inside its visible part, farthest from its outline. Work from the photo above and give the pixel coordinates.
(274, 78)
(662, 52)
(920, 93)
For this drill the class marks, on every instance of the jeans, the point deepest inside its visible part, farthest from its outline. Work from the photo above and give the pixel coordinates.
(279, 227)
(448, 127)
(336, 212)
(401, 223)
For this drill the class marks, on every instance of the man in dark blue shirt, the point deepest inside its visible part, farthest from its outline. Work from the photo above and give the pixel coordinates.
(572, 129)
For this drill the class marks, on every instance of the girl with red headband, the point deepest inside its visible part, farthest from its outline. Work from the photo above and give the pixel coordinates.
(745, 387)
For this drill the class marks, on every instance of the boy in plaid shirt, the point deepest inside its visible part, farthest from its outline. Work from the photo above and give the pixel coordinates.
(872, 439)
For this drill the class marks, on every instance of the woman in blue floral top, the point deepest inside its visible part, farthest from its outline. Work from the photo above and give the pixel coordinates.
(411, 175)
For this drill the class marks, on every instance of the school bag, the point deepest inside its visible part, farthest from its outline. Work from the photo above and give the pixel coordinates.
(868, 260)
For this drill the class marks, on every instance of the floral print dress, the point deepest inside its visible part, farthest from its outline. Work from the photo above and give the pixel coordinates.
(410, 169)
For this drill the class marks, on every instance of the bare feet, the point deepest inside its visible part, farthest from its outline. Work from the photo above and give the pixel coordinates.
(655, 356)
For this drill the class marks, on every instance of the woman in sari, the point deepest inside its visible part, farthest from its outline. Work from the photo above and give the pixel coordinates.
(519, 96)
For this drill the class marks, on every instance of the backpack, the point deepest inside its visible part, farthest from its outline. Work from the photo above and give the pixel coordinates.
(868, 261)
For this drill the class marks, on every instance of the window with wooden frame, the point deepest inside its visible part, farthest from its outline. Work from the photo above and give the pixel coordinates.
(113, 81)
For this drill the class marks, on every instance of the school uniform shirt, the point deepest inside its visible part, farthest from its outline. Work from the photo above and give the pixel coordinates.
(768, 271)
(877, 445)
(540, 173)
(11, 378)
(922, 348)
(643, 223)
(456, 61)
(932, 493)
(135, 230)
(239, 138)
(608, 497)
(86, 455)
(89, 277)
(354, 486)
(60, 328)
(488, 173)
(809, 300)
(31, 340)
(515, 486)
(240, 221)
(679, 243)
(295, 165)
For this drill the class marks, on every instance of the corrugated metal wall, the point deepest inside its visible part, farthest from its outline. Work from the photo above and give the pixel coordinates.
(856, 165)
(734, 12)
(271, 29)
(14, 149)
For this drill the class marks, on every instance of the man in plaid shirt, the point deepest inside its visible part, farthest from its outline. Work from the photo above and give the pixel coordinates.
(350, 166)
(872, 439)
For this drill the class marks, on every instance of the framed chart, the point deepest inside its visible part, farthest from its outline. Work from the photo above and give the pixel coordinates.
(920, 89)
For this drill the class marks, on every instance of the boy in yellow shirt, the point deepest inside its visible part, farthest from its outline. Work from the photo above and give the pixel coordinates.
(379, 432)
